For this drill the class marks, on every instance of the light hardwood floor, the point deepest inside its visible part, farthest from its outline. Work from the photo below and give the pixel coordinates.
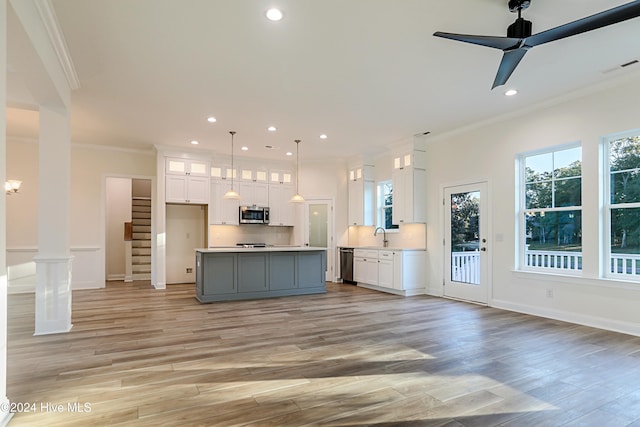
(351, 357)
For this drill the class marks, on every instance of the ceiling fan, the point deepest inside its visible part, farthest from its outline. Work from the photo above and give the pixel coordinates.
(519, 39)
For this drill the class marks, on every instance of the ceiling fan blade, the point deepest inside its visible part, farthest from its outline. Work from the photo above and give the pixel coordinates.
(501, 43)
(510, 61)
(593, 22)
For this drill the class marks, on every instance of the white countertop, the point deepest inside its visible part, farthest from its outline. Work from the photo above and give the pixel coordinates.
(229, 249)
(381, 248)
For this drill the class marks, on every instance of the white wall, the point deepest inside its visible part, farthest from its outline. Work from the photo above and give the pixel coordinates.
(489, 153)
(89, 168)
(186, 226)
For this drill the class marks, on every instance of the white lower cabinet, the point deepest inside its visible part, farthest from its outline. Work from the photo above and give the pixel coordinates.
(396, 271)
(385, 269)
(365, 266)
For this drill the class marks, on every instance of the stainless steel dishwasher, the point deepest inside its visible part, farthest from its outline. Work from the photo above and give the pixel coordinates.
(346, 265)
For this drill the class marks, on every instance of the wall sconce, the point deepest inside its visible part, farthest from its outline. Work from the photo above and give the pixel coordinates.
(12, 186)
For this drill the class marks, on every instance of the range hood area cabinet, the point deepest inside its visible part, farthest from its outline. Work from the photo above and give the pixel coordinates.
(409, 187)
(281, 210)
(361, 196)
(222, 211)
(253, 187)
(186, 181)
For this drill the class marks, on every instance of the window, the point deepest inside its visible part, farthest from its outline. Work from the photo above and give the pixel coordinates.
(622, 202)
(385, 205)
(551, 210)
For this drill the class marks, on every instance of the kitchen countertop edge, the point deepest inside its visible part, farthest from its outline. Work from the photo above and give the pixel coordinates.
(267, 249)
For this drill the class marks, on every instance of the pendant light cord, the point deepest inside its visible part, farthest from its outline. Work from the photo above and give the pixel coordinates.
(297, 166)
(232, 132)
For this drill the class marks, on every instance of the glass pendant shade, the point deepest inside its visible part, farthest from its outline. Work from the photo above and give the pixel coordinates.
(297, 199)
(231, 194)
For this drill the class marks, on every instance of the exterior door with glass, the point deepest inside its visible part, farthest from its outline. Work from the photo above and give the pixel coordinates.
(466, 242)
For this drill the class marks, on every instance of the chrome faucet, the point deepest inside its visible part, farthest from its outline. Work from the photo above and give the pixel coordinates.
(385, 242)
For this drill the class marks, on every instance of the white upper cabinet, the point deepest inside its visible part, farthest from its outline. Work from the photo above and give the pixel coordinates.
(186, 181)
(280, 177)
(409, 187)
(281, 190)
(254, 193)
(223, 211)
(282, 212)
(361, 196)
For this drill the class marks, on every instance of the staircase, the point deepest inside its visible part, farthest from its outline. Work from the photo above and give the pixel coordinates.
(141, 243)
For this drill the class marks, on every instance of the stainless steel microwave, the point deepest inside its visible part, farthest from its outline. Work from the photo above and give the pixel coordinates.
(254, 215)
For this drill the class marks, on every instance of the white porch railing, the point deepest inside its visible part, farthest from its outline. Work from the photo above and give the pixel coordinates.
(465, 266)
(625, 264)
(558, 260)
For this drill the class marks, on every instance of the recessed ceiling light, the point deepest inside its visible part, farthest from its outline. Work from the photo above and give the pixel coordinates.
(194, 142)
(271, 129)
(511, 92)
(274, 14)
(211, 119)
(289, 153)
(323, 136)
(245, 148)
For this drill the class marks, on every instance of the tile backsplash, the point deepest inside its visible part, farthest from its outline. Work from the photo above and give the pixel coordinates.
(410, 236)
(229, 235)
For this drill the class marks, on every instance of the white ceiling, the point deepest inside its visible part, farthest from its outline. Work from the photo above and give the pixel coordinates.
(367, 73)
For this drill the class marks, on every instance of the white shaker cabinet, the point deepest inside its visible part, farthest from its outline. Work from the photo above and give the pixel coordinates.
(281, 190)
(186, 181)
(361, 196)
(397, 271)
(222, 211)
(281, 210)
(385, 269)
(254, 193)
(365, 266)
(409, 188)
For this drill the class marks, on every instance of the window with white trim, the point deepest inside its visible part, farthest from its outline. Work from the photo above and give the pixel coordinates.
(622, 206)
(551, 210)
(385, 205)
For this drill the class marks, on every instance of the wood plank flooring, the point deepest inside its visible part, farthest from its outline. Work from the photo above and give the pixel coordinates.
(351, 357)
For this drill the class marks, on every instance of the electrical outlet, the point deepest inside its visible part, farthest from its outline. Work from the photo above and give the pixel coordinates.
(549, 293)
(189, 270)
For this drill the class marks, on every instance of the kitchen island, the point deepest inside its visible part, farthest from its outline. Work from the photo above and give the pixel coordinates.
(239, 273)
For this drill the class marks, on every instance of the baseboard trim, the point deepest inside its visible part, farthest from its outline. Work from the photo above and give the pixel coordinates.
(565, 316)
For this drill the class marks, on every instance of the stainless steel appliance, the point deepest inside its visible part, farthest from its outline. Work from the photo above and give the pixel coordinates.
(252, 245)
(254, 215)
(346, 265)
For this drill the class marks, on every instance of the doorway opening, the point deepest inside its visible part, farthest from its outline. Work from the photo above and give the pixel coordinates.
(128, 229)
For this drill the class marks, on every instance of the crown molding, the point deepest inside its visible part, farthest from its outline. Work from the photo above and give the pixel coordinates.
(50, 21)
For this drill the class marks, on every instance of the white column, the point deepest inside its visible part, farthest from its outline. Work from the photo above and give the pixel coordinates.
(5, 415)
(53, 262)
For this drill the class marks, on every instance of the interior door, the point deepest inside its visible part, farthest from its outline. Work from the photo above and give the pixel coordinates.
(466, 242)
(319, 230)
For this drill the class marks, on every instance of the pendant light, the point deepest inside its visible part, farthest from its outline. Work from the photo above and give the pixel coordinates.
(232, 194)
(297, 198)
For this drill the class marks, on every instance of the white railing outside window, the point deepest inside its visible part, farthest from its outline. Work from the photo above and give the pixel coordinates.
(558, 260)
(625, 264)
(465, 266)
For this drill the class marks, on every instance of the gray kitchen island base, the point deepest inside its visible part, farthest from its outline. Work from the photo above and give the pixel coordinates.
(231, 274)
